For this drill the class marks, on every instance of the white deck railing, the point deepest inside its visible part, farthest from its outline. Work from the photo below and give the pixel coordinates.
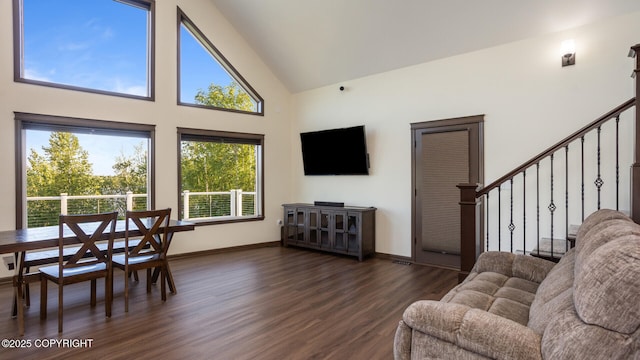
(196, 205)
(202, 205)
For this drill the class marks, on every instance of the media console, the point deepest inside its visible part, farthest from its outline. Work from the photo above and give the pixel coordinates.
(348, 230)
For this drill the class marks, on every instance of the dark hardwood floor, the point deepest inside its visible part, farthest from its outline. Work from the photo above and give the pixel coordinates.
(268, 303)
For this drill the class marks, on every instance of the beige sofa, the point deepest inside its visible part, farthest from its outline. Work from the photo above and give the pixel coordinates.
(519, 307)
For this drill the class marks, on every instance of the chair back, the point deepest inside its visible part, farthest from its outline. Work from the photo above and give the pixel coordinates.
(88, 229)
(152, 226)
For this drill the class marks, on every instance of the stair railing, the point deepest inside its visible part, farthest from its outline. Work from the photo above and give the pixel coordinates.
(552, 191)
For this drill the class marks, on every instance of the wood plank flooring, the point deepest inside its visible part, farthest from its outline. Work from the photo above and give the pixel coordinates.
(268, 303)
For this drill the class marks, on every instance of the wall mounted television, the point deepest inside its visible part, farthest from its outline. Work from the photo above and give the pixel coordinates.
(335, 152)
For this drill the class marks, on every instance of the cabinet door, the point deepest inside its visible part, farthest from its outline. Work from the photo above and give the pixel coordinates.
(313, 237)
(290, 226)
(294, 226)
(325, 229)
(353, 232)
(340, 231)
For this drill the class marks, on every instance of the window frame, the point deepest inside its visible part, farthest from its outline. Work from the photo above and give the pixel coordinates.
(221, 60)
(18, 53)
(189, 134)
(25, 121)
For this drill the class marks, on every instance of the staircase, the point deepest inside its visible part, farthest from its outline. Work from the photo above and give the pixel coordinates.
(537, 207)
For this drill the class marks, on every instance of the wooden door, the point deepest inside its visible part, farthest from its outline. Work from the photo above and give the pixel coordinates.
(446, 153)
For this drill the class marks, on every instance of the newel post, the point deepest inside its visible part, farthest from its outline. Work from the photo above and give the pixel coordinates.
(635, 168)
(470, 244)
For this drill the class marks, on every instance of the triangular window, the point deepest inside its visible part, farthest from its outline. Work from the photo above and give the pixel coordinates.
(206, 78)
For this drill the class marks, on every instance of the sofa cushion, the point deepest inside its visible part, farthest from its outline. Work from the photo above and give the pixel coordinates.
(567, 337)
(607, 285)
(600, 234)
(595, 219)
(554, 294)
(509, 297)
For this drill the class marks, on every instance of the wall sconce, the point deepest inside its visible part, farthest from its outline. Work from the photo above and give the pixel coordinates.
(568, 53)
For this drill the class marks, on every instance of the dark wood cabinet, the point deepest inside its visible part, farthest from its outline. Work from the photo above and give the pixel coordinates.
(344, 230)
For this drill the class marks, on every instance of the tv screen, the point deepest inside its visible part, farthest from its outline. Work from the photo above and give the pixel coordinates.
(335, 152)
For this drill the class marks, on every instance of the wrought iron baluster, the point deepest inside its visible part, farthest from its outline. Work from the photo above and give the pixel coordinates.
(538, 206)
(566, 193)
(617, 163)
(511, 225)
(582, 176)
(499, 217)
(524, 210)
(488, 223)
(552, 206)
(598, 182)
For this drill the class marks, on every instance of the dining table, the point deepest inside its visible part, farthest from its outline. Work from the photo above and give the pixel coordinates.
(20, 241)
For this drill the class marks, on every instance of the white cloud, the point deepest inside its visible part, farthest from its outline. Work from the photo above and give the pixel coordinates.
(122, 87)
(33, 74)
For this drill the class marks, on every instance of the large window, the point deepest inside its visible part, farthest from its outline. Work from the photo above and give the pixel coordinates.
(206, 78)
(220, 176)
(101, 46)
(78, 166)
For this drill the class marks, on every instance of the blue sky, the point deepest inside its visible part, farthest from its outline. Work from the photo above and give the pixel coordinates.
(102, 44)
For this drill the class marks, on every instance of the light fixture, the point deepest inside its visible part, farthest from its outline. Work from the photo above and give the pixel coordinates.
(568, 53)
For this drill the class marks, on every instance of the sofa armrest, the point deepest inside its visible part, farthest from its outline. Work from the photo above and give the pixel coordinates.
(513, 265)
(473, 330)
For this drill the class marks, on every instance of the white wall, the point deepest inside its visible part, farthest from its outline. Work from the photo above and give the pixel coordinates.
(166, 115)
(529, 102)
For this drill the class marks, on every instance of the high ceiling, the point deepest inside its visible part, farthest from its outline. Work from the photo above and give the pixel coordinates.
(312, 43)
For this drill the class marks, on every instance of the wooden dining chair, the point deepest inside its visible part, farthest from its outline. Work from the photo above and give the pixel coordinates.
(87, 263)
(151, 251)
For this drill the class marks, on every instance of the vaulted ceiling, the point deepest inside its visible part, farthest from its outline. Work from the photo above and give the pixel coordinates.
(310, 43)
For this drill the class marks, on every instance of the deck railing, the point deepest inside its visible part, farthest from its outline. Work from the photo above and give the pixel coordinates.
(204, 205)
(44, 210)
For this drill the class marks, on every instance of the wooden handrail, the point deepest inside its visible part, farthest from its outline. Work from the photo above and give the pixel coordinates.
(599, 121)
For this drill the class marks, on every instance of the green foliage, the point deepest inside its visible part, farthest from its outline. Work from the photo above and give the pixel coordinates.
(214, 166)
(130, 173)
(64, 167)
(217, 167)
(232, 96)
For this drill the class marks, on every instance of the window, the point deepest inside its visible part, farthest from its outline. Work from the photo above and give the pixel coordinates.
(75, 166)
(206, 78)
(220, 176)
(100, 46)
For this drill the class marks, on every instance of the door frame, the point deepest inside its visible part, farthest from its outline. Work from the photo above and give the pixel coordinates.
(474, 126)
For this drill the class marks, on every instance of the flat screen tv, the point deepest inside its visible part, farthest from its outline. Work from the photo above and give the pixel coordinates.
(335, 152)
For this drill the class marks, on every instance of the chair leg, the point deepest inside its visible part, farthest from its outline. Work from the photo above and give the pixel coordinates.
(27, 296)
(148, 280)
(93, 292)
(163, 286)
(43, 298)
(60, 303)
(126, 290)
(108, 291)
